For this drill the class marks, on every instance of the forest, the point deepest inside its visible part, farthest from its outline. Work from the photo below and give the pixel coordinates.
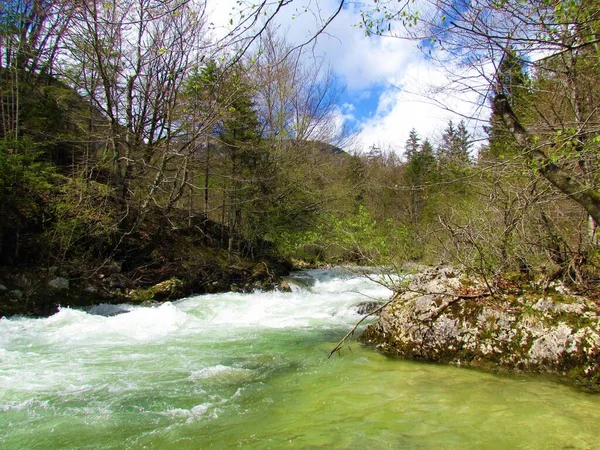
(138, 149)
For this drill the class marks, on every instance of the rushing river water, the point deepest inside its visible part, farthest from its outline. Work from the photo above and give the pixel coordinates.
(251, 371)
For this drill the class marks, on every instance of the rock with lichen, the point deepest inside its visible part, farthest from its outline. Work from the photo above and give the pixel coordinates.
(436, 317)
(166, 290)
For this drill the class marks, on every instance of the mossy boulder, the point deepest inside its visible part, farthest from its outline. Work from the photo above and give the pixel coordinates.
(436, 319)
(166, 290)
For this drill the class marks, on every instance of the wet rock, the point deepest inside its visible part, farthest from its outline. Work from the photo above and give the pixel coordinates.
(91, 290)
(107, 310)
(116, 281)
(284, 286)
(171, 289)
(3, 289)
(366, 307)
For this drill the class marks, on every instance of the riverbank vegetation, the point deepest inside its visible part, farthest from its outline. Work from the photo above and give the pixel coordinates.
(134, 150)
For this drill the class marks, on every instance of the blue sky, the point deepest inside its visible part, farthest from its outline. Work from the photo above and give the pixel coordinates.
(391, 87)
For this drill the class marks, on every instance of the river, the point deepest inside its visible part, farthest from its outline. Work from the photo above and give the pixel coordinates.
(251, 371)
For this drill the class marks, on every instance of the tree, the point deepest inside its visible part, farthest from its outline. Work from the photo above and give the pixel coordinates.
(412, 145)
(455, 145)
(417, 167)
(31, 35)
(296, 94)
(535, 65)
(130, 60)
(24, 184)
(514, 83)
(31, 32)
(479, 34)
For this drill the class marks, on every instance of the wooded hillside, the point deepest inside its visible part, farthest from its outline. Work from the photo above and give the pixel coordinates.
(133, 147)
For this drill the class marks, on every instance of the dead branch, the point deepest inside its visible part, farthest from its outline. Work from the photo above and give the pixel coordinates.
(340, 344)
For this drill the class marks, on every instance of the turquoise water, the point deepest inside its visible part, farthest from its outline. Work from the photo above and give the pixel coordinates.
(251, 371)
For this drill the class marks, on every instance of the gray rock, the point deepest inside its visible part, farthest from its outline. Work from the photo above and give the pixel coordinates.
(545, 304)
(16, 294)
(107, 310)
(116, 281)
(3, 289)
(59, 284)
(550, 334)
(547, 349)
(571, 308)
(366, 307)
(168, 289)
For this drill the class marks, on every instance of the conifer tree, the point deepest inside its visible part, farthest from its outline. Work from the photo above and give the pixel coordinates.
(512, 81)
(412, 145)
(418, 173)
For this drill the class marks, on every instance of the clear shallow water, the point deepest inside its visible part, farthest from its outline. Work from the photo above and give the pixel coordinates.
(251, 371)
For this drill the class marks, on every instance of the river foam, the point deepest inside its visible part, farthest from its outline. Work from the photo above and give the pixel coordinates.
(78, 353)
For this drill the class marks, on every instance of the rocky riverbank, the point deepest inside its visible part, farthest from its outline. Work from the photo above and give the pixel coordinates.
(39, 292)
(440, 315)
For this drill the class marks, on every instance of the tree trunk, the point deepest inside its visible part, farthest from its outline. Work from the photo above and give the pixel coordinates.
(563, 180)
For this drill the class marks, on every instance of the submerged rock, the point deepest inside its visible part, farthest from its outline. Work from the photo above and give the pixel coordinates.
(366, 307)
(107, 310)
(437, 319)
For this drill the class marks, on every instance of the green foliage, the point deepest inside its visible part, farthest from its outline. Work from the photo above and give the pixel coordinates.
(25, 185)
(83, 218)
(24, 180)
(356, 238)
(453, 152)
(202, 159)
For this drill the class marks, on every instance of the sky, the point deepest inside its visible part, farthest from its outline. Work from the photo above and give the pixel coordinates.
(387, 81)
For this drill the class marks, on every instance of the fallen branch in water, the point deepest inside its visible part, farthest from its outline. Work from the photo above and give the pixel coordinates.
(351, 332)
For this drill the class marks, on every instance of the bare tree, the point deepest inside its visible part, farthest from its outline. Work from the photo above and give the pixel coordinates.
(31, 32)
(296, 93)
(130, 58)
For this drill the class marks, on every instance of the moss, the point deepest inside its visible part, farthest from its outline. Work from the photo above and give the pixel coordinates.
(574, 320)
(563, 298)
(140, 296)
(166, 290)
(467, 282)
(588, 381)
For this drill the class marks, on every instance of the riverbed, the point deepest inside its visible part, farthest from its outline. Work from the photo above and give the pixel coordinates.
(251, 370)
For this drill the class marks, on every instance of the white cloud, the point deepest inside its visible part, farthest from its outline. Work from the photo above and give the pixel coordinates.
(412, 93)
(424, 99)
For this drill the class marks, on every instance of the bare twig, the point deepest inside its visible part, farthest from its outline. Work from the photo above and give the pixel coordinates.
(340, 344)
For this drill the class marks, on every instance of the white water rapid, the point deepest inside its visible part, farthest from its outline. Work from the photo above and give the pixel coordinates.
(251, 371)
